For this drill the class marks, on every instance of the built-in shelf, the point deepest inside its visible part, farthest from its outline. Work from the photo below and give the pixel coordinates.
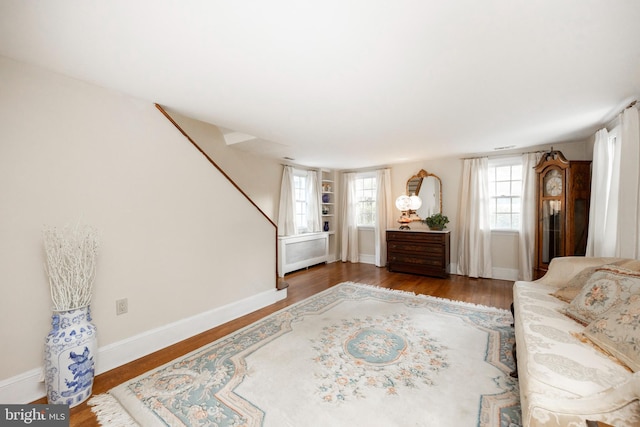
(330, 218)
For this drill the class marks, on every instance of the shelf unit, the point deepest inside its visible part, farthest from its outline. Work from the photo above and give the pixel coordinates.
(329, 211)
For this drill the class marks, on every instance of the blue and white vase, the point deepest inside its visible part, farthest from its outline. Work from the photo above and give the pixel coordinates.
(69, 357)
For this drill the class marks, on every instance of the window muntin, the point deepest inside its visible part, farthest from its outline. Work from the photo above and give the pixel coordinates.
(505, 187)
(366, 190)
(300, 201)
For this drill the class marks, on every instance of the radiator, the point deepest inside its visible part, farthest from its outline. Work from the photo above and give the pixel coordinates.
(304, 250)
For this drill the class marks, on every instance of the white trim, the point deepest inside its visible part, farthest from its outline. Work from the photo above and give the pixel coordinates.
(500, 273)
(366, 227)
(453, 268)
(29, 386)
(367, 258)
(301, 259)
(508, 231)
(23, 388)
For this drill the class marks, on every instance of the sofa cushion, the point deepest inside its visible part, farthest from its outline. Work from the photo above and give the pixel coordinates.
(618, 332)
(569, 291)
(573, 287)
(554, 360)
(606, 287)
(557, 369)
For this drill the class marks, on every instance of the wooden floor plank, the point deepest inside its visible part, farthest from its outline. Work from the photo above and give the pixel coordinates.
(302, 284)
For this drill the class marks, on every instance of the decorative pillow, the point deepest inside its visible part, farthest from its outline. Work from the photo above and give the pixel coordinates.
(573, 287)
(618, 332)
(608, 286)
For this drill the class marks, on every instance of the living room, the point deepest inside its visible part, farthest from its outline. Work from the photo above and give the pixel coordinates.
(177, 240)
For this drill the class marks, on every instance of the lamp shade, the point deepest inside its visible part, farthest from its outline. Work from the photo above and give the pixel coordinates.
(403, 203)
(416, 202)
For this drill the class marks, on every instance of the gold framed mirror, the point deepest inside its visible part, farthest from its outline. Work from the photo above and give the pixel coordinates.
(428, 187)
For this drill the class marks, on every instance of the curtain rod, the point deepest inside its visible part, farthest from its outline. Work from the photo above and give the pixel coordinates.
(633, 104)
(614, 120)
(306, 168)
(504, 155)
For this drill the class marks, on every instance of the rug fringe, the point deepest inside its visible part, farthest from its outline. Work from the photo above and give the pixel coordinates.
(109, 412)
(430, 297)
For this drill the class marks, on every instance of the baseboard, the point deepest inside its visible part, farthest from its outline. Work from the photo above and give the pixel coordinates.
(496, 272)
(29, 386)
(504, 273)
(23, 388)
(367, 259)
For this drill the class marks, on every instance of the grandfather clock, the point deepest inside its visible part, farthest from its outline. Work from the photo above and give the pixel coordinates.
(563, 194)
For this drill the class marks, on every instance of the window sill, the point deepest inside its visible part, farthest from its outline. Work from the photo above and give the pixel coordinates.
(505, 231)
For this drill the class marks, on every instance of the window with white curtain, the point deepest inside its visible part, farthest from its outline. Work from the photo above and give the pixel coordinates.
(505, 186)
(365, 192)
(300, 200)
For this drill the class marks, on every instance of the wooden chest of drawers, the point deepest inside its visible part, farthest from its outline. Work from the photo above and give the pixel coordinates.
(418, 252)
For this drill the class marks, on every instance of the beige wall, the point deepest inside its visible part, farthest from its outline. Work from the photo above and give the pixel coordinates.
(449, 170)
(257, 176)
(504, 247)
(176, 237)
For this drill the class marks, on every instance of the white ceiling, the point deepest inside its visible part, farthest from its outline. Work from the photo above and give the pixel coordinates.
(351, 83)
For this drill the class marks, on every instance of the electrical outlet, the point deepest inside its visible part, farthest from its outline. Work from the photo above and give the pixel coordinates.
(122, 306)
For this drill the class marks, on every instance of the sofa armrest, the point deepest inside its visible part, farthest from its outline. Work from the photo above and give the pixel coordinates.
(564, 268)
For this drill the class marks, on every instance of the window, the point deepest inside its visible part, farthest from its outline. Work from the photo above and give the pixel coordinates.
(300, 200)
(505, 186)
(366, 199)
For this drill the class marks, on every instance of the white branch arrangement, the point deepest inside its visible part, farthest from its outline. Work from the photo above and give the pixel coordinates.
(70, 265)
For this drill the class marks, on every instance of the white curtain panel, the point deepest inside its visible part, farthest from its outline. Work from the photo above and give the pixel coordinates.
(314, 200)
(629, 194)
(349, 247)
(528, 210)
(287, 210)
(603, 208)
(474, 234)
(384, 215)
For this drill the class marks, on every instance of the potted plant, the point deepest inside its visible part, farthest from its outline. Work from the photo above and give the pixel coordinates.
(436, 221)
(71, 344)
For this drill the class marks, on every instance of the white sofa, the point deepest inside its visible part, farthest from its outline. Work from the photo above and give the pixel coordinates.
(564, 378)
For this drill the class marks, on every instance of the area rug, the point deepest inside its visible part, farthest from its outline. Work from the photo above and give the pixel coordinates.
(353, 355)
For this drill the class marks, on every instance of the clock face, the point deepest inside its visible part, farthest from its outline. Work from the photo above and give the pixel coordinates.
(553, 183)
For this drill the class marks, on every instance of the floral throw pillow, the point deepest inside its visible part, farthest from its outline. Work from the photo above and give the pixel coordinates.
(618, 332)
(569, 291)
(605, 288)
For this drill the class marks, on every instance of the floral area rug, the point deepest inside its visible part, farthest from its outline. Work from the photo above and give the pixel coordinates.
(353, 355)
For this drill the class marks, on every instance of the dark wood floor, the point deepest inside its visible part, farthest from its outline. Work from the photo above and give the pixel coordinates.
(302, 284)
